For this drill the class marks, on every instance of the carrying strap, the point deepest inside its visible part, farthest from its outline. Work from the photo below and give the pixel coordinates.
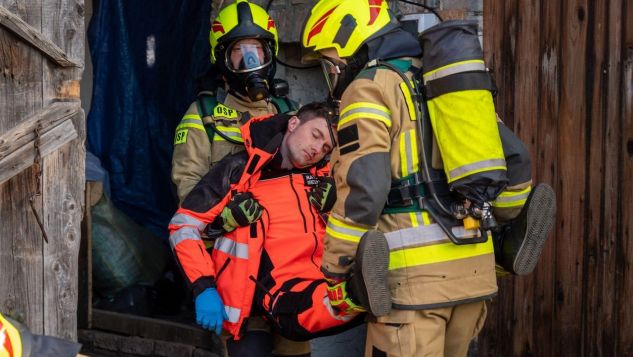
(206, 103)
(284, 105)
(459, 82)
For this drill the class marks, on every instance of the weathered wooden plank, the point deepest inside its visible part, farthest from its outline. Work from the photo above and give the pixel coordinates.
(84, 293)
(63, 204)
(497, 37)
(526, 117)
(572, 183)
(20, 252)
(624, 272)
(154, 329)
(63, 209)
(20, 80)
(23, 157)
(35, 38)
(546, 169)
(46, 119)
(599, 332)
(20, 239)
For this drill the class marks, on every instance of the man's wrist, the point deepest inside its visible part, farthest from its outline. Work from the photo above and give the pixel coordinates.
(202, 284)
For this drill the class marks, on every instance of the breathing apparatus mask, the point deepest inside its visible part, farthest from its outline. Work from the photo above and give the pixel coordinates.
(249, 68)
(339, 75)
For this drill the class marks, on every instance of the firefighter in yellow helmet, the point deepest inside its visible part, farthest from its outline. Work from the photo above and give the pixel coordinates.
(244, 44)
(437, 288)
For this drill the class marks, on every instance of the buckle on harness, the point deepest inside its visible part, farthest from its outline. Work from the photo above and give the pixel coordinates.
(405, 192)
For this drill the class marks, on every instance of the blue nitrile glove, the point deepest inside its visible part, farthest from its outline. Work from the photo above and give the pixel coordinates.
(210, 310)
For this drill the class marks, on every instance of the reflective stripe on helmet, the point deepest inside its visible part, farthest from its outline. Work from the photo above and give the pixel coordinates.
(10, 339)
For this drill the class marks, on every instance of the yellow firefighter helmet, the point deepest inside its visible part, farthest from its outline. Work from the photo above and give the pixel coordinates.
(345, 25)
(241, 20)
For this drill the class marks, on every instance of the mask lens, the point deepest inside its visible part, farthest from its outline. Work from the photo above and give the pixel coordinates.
(249, 56)
(331, 72)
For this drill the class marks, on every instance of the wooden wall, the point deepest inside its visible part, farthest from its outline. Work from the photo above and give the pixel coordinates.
(42, 132)
(565, 74)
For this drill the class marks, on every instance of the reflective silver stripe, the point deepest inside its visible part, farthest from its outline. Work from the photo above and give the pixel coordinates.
(231, 247)
(425, 235)
(463, 170)
(379, 112)
(231, 134)
(233, 313)
(186, 220)
(182, 234)
(409, 150)
(336, 229)
(506, 197)
(192, 121)
(464, 67)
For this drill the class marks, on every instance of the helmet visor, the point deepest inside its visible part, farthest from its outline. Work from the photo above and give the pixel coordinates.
(245, 56)
(331, 71)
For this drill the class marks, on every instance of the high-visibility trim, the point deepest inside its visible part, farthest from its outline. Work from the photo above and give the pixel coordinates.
(186, 220)
(424, 235)
(191, 116)
(452, 68)
(512, 198)
(182, 234)
(437, 253)
(419, 218)
(190, 125)
(476, 167)
(341, 230)
(365, 110)
(408, 153)
(231, 247)
(230, 131)
(407, 98)
(232, 314)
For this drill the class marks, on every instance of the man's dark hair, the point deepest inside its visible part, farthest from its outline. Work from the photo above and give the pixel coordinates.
(315, 110)
(319, 110)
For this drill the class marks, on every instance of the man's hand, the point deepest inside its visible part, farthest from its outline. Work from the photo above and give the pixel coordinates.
(210, 310)
(323, 195)
(241, 211)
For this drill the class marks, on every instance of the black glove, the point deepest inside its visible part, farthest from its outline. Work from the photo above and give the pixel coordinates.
(241, 211)
(323, 195)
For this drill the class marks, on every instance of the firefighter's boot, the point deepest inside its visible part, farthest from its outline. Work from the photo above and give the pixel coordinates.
(369, 283)
(518, 246)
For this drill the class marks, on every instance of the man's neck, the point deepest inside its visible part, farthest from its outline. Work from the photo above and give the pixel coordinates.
(283, 150)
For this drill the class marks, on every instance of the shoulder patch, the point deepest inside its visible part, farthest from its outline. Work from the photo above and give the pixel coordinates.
(181, 136)
(224, 112)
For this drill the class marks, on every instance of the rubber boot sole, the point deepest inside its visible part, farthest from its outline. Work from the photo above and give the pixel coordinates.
(372, 261)
(537, 222)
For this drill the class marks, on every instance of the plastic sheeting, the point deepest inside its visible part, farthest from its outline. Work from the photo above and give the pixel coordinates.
(145, 57)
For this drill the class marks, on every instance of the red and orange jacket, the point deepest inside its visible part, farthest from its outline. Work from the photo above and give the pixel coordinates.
(252, 262)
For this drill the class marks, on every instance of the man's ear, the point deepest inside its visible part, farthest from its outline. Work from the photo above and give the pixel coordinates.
(293, 123)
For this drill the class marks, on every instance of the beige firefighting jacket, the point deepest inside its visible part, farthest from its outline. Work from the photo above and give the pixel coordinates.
(194, 153)
(378, 144)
